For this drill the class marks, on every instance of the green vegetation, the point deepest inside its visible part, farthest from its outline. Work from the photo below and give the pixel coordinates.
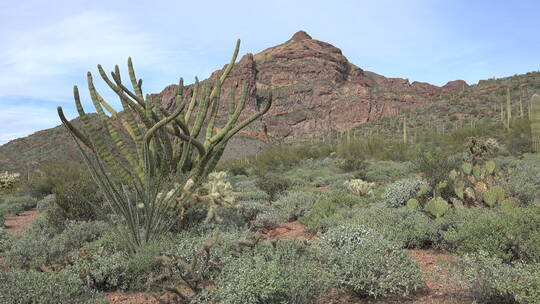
(455, 176)
(153, 178)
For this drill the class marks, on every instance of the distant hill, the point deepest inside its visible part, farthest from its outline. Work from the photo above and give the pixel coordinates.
(316, 90)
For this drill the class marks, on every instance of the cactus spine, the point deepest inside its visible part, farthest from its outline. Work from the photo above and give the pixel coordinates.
(163, 152)
(534, 117)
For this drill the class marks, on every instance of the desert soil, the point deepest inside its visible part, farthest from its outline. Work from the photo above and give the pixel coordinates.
(15, 224)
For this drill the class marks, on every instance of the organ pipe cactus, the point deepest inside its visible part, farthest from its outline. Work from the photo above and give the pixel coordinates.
(534, 118)
(148, 149)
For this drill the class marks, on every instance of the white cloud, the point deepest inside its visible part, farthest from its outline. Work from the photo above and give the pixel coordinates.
(22, 120)
(42, 62)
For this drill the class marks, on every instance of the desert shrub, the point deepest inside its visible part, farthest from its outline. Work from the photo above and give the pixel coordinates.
(308, 175)
(408, 228)
(518, 139)
(363, 261)
(49, 175)
(79, 199)
(349, 164)
(521, 177)
(386, 171)
(328, 210)
(250, 209)
(489, 280)
(18, 204)
(105, 264)
(293, 204)
(273, 184)
(30, 287)
(267, 220)
(398, 193)
(279, 157)
(247, 189)
(283, 274)
(435, 165)
(511, 235)
(45, 202)
(5, 240)
(234, 167)
(49, 249)
(105, 271)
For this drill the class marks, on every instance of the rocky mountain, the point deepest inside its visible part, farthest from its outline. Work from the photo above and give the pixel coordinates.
(315, 90)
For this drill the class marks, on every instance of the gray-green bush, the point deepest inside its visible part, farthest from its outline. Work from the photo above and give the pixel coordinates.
(398, 193)
(363, 261)
(32, 287)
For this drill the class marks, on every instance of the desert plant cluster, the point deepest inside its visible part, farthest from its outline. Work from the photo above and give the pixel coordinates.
(154, 209)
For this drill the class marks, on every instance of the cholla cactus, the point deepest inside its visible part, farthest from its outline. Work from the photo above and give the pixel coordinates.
(8, 180)
(219, 195)
(479, 149)
(216, 193)
(359, 187)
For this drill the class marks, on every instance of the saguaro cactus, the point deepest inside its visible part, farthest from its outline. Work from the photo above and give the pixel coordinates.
(405, 137)
(534, 117)
(164, 152)
(508, 109)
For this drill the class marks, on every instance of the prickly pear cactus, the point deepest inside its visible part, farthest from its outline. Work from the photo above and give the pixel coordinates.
(437, 206)
(412, 204)
(467, 168)
(490, 197)
(490, 167)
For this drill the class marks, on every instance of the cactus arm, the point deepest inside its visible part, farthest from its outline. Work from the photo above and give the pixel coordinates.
(117, 89)
(72, 129)
(232, 118)
(137, 86)
(213, 114)
(249, 120)
(116, 77)
(201, 113)
(193, 100)
(228, 69)
(118, 141)
(98, 145)
(230, 104)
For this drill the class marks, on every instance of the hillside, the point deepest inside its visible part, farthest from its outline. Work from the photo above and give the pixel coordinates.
(316, 91)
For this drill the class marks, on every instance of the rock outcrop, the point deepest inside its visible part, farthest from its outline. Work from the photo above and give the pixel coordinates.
(316, 89)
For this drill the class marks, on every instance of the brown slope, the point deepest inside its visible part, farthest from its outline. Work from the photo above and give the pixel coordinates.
(315, 90)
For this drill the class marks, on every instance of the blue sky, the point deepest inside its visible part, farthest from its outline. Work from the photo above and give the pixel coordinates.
(48, 46)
